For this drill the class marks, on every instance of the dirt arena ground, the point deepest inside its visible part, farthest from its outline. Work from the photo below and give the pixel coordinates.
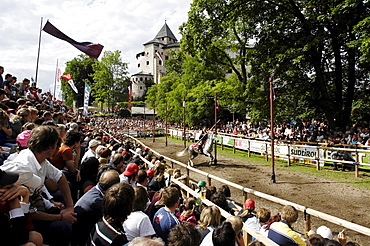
(334, 198)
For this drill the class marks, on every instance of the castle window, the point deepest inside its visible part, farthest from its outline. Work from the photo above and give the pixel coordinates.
(141, 87)
(147, 62)
(166, 57)
(160, 62)
(141, 78)
(138, 65)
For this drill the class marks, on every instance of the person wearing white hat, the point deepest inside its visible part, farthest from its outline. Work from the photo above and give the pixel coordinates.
(93, 144)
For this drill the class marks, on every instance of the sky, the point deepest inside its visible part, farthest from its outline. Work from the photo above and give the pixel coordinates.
(123, 25)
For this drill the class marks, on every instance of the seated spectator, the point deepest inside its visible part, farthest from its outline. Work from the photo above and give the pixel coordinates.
(281, 232)
(42, 143)
(117, 205)
(65, 160)
(13, 225)
(158, 181)
(187, 215)
(164, 219)
(263, 216)
(93, 144)
(237, 224)
(247, 212)
(210, 218)
(16, 122)
(184, 235)
(5, 131)
(129, 176)
(226, 190)
(144, 241)
(138, 223)
(88, 171)
(224, 235)
(220, 200)
(325, 232)
(89, 207)
(315, 240)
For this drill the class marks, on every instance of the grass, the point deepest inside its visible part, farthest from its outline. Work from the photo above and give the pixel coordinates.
(326, 172)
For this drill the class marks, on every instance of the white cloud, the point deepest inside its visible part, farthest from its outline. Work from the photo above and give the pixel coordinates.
(123, 25)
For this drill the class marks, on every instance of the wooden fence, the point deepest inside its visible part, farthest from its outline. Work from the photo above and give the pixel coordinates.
(308, 212)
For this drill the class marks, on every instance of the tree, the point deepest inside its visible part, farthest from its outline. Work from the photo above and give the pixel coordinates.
(305, 45)
(110, 79)
(80, 69)
(192, 81)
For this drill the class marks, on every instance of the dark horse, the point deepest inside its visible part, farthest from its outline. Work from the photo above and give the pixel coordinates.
(193, 150)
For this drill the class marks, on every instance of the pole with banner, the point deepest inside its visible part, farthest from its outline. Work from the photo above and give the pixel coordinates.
(166, 123)
(86, 99)
(184, 120)
(272, 98)
(216, 109)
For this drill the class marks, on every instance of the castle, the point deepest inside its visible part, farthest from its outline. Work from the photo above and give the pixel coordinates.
(151, 61)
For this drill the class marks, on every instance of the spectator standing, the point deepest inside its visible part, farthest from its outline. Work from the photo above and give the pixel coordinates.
(184, 235)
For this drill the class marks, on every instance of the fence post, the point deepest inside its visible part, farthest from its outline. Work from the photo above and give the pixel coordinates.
(267, 153)
(249, 148)
(318, 158)
(188, 176)
(307, 223)
(172, 165)
(234, 147)
(357, 165)
(209, 180)
(288, 155)
(222, 143)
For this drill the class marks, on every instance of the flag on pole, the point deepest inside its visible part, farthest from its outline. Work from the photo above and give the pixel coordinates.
(217, 106)
(183, 104)
(90, 49)
(86, 99)
(68, 77)
(159, 55)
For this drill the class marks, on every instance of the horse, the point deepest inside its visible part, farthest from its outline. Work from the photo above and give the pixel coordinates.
(193, 150)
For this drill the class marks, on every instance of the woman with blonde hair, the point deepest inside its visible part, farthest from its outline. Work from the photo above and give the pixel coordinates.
(23, 116)
(210, 218)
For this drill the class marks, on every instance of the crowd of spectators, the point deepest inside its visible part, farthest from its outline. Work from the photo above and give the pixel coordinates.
(64, 181)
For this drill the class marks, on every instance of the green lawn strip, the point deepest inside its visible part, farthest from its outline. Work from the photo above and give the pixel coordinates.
(324, 172)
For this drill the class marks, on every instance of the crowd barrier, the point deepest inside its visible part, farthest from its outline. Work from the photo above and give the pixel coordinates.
(309, 154)
(308, 212)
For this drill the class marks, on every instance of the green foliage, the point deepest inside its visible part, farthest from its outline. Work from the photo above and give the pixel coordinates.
(310, 48)
(192, 81)
(111, 81)
(80, 69)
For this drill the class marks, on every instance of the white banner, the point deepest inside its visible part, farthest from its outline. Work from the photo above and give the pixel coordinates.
(86, 99)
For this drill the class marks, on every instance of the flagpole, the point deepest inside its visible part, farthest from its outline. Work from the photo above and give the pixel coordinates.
(215, 160)
(38, 54)
(154, 124)
(55, 81)
(166, 122)
(273, 178)
(184, 122)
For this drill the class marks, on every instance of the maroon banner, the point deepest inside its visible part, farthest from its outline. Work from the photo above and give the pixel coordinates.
(90, 49)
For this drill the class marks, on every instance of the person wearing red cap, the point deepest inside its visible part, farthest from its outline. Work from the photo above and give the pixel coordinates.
(248, 208)
(129, 176)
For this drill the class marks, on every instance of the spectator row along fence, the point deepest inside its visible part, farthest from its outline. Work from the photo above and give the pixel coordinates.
(249, 232)
(316, 155)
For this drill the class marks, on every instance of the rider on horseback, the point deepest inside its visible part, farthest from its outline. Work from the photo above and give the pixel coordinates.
(202, 139)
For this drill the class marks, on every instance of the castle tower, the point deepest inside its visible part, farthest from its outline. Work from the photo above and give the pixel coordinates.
(150, 65)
